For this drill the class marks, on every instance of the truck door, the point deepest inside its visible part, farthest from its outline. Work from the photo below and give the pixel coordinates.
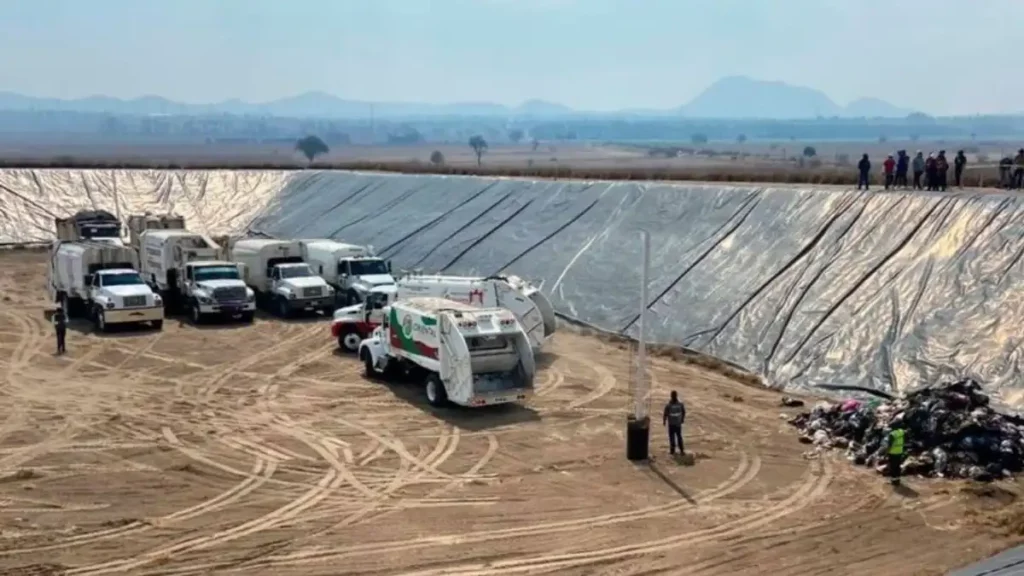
(344, 274)
(274, 273)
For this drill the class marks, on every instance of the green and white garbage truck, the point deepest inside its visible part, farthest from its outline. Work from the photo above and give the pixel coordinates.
(464, 354)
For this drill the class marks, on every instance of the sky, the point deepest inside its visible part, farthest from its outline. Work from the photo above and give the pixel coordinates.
(939, 56)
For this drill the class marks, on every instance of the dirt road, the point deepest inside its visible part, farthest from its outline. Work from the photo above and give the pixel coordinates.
(261, 450)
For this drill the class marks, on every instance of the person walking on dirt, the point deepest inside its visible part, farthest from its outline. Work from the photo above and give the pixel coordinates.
(60, 325)
(888, 167)
(894, 448)
(675, 415)
(864, 169)
(959, 162)
(918, 167)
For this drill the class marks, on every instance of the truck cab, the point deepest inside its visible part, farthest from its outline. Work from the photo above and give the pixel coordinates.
(357, 276)
(120, 296)
(297, 288)
(352, 324)
(216, 288)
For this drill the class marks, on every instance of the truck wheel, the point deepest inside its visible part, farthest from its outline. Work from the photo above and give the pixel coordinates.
(158, 324)
(328, 311)
(194, 314)
(247, 317)
(349, 340)
(436, 394)
(368, 369)
(101, 320)
(282, 308)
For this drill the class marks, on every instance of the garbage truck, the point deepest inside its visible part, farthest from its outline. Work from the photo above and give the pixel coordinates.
(281, 280)
(353, 324)
(189, 272)
(463, 354)
(531, 307)
(352, 270)
(92, 274)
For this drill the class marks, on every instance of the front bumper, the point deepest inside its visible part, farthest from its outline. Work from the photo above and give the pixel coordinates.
(312, 303)
(131, 315)
(227, 308)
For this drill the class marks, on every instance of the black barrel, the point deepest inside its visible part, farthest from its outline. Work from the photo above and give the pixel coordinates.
(638, 438)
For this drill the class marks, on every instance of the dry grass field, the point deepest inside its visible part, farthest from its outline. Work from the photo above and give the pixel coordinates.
(715, 162)
(262, 450)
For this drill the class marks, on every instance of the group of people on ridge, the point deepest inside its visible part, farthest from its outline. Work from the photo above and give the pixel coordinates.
(930, 173)
(1011, 171)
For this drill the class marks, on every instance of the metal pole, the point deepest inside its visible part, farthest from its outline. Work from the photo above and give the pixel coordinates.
(641, 350)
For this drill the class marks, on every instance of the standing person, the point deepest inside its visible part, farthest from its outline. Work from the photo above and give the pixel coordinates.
(959, 162)
(864, 169)
(894, 448)
(1005, 165)
(1019, 169)
(675, 415)
(918, 166)
(902, 164)
(942, 169)
(60, 325)
(887, 169)
(930, 173)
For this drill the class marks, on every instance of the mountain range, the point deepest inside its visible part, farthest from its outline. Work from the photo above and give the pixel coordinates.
(736, 97)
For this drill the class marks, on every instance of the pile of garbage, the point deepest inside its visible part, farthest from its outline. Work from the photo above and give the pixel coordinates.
(951, 432)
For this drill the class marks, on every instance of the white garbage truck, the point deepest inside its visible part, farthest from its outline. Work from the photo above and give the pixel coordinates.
(92, 274)
(189, 271)
(531, 307)
(466, 355)
(351, 269)
(275, 270)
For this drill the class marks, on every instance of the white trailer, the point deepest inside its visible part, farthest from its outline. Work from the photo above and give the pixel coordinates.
(188, 270)
(531, 307)
(98, 280)
(351, 269)
(465, 355)
(274, 269)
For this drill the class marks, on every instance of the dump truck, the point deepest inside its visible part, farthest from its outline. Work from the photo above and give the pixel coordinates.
(351, 269)
(189, 271)
(463, 354)
(531, 307)
(353, 324)
(92, 274)
(282, 281)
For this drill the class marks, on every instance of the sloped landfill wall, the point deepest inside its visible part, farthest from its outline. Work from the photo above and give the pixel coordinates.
(803, 286)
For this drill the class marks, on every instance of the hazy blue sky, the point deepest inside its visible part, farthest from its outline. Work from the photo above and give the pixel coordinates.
(941, 56)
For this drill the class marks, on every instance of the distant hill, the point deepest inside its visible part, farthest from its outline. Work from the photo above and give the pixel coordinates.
(743, 97)
(732, 97)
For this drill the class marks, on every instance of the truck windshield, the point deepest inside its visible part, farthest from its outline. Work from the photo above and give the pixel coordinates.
(368, 267)
(296, 272)
(120, 279)
(216, 273)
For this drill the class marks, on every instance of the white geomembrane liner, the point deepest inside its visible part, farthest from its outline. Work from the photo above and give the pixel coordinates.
(804, 286)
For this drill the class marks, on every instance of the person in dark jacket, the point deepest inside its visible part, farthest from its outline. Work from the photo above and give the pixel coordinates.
(918, 166)
(959, 162)
(888, 168)
(674, 416)
(1018, 170)
(931, 178)
(1005, 165)
(902, 165)
(864, 169)
(942, 169)
(60, 326)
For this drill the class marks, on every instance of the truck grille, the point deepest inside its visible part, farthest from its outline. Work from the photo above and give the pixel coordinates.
(229, 294)
(313, 292)
(133, 301)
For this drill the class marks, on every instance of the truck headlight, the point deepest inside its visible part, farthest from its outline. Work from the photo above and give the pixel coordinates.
(251, 296)
(291, 295)
(330, 290)
(205, 300)
(110, 305)
(157, 299)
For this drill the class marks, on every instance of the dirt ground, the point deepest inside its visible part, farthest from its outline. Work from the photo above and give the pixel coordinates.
(262, 450)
